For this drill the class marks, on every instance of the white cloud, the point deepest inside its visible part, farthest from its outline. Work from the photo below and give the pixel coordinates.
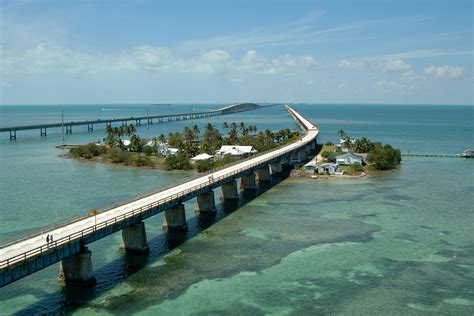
(375, 64)
(394, 65)
(444, 71)
(351, 64)
(47, 57)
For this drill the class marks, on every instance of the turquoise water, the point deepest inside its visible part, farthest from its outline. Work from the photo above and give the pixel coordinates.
(399, 244)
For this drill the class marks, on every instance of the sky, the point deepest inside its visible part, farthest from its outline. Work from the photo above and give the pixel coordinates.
(139, 51)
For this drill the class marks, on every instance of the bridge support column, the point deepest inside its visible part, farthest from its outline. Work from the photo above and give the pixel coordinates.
(77, 269)
(264, 174)
(90, 127)
(134, 239)
(12, 134)
(206, 203)
(68, 129)
(229, 191)
(276, 167)
(175, 219)
(42, 133)
(248, 182)
(302, 154)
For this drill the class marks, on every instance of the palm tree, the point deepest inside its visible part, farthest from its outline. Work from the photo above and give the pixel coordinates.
(209, 127)
(188, 135)
(341, 134)
(242, 127)
(162, 138)
(196, 131)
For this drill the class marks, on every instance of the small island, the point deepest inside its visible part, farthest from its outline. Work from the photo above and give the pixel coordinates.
(189, 149)
(352, 157)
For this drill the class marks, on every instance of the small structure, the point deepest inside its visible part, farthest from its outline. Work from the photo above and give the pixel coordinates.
(235, 150)
(350, 159)
(164, 150)
(204, 156)
(467, 153)
(311, 167)
(330, 168)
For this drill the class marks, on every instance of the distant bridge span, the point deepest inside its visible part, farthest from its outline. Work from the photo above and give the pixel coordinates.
(234, 108)
(29, 255)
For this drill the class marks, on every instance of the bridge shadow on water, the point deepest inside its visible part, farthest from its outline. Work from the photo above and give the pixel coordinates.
(71, 297)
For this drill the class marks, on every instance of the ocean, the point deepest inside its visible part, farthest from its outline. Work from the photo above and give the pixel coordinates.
(400, 243)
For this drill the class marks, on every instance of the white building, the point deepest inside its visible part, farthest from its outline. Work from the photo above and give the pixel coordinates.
(204, 156)
(350, 159)
(163, 149)
(235, 150)
(330, 168)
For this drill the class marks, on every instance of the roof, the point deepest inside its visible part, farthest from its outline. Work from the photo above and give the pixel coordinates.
(236, 150)
(204, 156)
(329, 164)
(359, 156)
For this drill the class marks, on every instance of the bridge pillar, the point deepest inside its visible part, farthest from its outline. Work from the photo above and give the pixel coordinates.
(90, 127)
(264, 174)
(41, 131)
(77, 269)
(206, 203)
(175, 219)
(229, 191)
(302, 154)
(12, 134)
(248, 182)
(134, 239)
(68, 129)
(276, 167)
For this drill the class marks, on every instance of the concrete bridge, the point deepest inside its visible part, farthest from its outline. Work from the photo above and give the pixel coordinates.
(138, 120)
(29, 255)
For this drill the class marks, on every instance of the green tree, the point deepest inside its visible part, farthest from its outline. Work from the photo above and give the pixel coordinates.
(384, 158)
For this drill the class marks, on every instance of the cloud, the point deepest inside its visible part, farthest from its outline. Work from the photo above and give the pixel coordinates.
(350, 64)
(444, 72)
(47, 58)
(395, 65)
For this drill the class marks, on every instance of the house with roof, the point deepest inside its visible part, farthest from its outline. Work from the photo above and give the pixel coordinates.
(235, 150)
(330, 168)
(163, 149)
(350, 159)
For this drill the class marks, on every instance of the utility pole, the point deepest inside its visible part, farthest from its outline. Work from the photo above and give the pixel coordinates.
(62, 122)
(147, 120)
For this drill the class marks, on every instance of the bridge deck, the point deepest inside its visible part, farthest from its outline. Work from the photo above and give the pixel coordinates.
(221, 111)
(23, 250)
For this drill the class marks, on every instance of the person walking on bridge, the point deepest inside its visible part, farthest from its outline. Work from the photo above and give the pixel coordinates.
(47, 239)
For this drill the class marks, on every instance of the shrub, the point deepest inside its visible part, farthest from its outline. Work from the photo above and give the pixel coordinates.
(148, 150)
(357, 167)
(179, 161)
(141, 161)
(329, 155)
(117, 155)
(204, 165)
(87, 151)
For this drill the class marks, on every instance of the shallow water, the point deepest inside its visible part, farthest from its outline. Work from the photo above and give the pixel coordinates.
(399, 243)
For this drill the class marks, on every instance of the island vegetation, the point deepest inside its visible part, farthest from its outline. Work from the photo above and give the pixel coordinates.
(373, 155)
(154, 153)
